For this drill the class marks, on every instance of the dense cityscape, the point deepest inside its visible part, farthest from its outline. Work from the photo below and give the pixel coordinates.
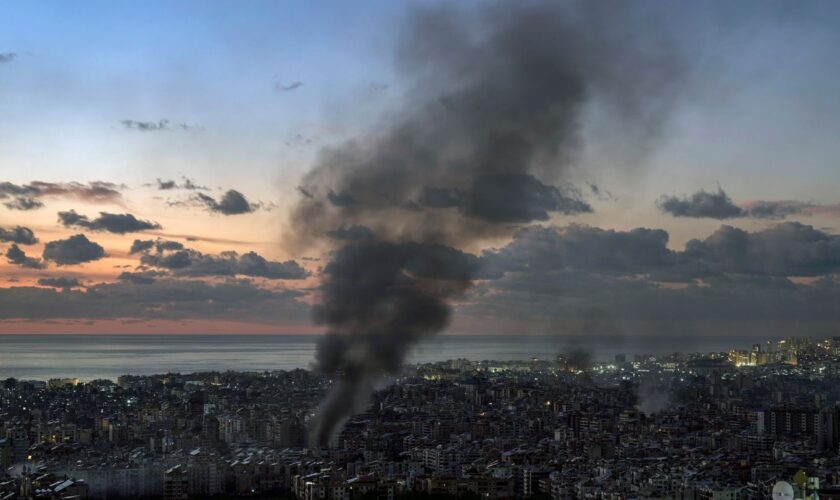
(723, 425)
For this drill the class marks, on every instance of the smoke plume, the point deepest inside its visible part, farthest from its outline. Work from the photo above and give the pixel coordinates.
(482, 146)
(653, 396)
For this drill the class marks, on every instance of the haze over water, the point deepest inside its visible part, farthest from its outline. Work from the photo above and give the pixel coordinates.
(90, 357)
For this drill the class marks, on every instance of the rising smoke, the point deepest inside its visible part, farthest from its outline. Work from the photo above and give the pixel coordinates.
(482, 146)
(653, 396)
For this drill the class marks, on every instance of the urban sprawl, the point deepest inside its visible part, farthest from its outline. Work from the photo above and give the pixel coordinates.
(722, 426)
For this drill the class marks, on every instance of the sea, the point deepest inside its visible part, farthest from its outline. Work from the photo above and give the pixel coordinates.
(88, 357)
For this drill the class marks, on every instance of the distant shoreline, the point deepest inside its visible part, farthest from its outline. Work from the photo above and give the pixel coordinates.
(88, 357)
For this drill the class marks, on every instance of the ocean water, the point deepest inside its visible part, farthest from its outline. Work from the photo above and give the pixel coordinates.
(89, 357)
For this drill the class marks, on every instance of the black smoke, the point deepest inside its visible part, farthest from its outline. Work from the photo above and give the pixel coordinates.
(482, 147)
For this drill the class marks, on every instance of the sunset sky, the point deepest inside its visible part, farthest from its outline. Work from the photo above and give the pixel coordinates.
(174, 136)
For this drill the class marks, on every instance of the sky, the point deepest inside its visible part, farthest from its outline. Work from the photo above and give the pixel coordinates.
(151, 155)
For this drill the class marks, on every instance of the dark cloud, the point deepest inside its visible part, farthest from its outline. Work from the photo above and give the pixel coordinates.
(162, 299)
(283, 87)
(189, 262)
(561, 279)
(702, 204)
(188, 184)
(718, 205)
(232, 203)
(140, 278)
(160, 245)
(7, 57)
(566, 302)
(601, 194)
(18, 257)
(777, 210)
(584, 248)
(493, 122)
(166, 185)
(27, 196)
(112, 223)
(786, 249)
(76, 249)
(23, 204)
(60, 282)
(140, 246)
(180, 259)
(507, 198)
(21, 235)
(520, 198)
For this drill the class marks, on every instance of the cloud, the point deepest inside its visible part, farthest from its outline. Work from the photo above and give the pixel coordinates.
(158, 126)
(189, 262)
(166, 185)
(281, 87)
(18, 257)
(718, 205)
(140, 278)
(786, 249)
(60, 282)
(232, 203)
(188, 184)
(28, 196)
(162, 299)
(520, 198)
(733, 281)
(782, 209)
(7, 57)
(145, 126)
(702, 204)
(112, 223)
(585, 248)
(776, 210)
(21, 235)
(172, 261)
(140, 246)
(76, 249)
(160, 245)
(566, 302)
(23, 204)
(191, 185)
